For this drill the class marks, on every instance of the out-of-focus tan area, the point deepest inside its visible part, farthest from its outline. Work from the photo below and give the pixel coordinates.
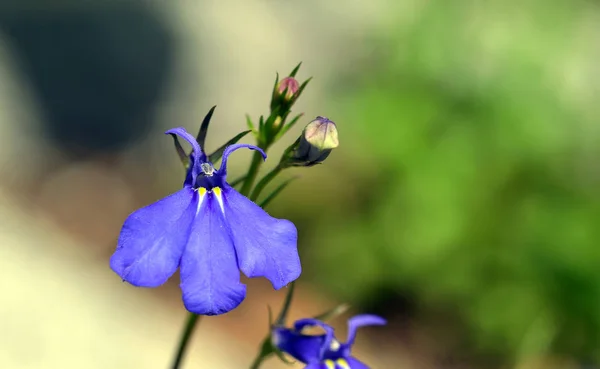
(462, 204)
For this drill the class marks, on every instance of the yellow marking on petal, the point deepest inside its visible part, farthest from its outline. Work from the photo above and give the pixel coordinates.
(201, 193)
(342, 363)
(219, 196)
(329, 363)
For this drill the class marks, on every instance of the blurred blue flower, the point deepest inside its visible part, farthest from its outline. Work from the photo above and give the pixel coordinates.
(210, 231)
(322, 351)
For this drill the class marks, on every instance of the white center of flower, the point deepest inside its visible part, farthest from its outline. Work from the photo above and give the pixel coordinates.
(207, 169)
(335, 345)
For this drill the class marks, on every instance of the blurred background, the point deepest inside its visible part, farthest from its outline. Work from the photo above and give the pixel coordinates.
(463, 203)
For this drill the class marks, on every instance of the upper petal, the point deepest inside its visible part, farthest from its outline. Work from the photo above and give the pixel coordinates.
(265, 246)
(231, 148)
(328, 338)
(152, 240)
(210, 279)
(197, 155)
(360, 321)
(304, 348)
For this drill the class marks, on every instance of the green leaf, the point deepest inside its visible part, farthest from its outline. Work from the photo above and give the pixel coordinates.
(204, 127)
(293, 74)
(276, 81)
(185, 158)
(274, 94)
(237, 181)
(302, 87)
(249, 123)
(276, 192)
(215, 156)
(289, 125)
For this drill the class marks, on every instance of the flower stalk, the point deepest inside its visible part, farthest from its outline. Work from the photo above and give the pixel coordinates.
(186, 336)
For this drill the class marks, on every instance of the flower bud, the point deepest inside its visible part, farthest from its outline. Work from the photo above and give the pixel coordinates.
(315, 144)
(288, 87)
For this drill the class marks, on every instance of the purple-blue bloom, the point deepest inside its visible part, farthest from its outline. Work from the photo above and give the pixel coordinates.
(211, 232)
(322, 351)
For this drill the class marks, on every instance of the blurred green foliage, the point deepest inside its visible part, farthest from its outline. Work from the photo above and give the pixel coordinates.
(477, 125)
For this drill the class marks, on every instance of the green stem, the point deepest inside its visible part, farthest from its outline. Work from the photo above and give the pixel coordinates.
(257, 160)
(264, 182)
(257, 361)
(186, 335)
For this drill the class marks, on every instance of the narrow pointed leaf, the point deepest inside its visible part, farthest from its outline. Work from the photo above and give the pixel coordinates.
(249, 123)
(293, 74)
(302, 87)
(237, 181)
(215, 156)
(276, 81)
(286, 305)
(336, 311)
(276, 192)
(204, 127)
(289, 125)
(274, 95)
(185, 158)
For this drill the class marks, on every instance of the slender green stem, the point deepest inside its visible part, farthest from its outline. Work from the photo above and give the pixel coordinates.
(257, 361)
(264, 182)
(257, 160)
(186, 335)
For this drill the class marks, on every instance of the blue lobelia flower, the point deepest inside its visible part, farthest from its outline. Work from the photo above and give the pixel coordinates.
(211, 232)
(322, 351)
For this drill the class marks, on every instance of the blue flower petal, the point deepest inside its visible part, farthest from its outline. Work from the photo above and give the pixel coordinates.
(360, 321)
(315, 366)
(231, 148)
(152, 240)
(265, 246)
(299, 325)
(197, 151)
(210, 279)
(353, 364)
(197, 155)
(304, 348)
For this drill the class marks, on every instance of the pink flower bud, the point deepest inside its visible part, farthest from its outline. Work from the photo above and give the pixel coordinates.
(289, 86)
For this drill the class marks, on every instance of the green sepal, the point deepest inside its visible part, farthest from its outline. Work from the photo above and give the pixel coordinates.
(276, 192)
(302, 87)
(215, 156)
(286, 158)
(287, 127)
(274, 94)
(293, 73)
(204, 127)
(250, 124)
